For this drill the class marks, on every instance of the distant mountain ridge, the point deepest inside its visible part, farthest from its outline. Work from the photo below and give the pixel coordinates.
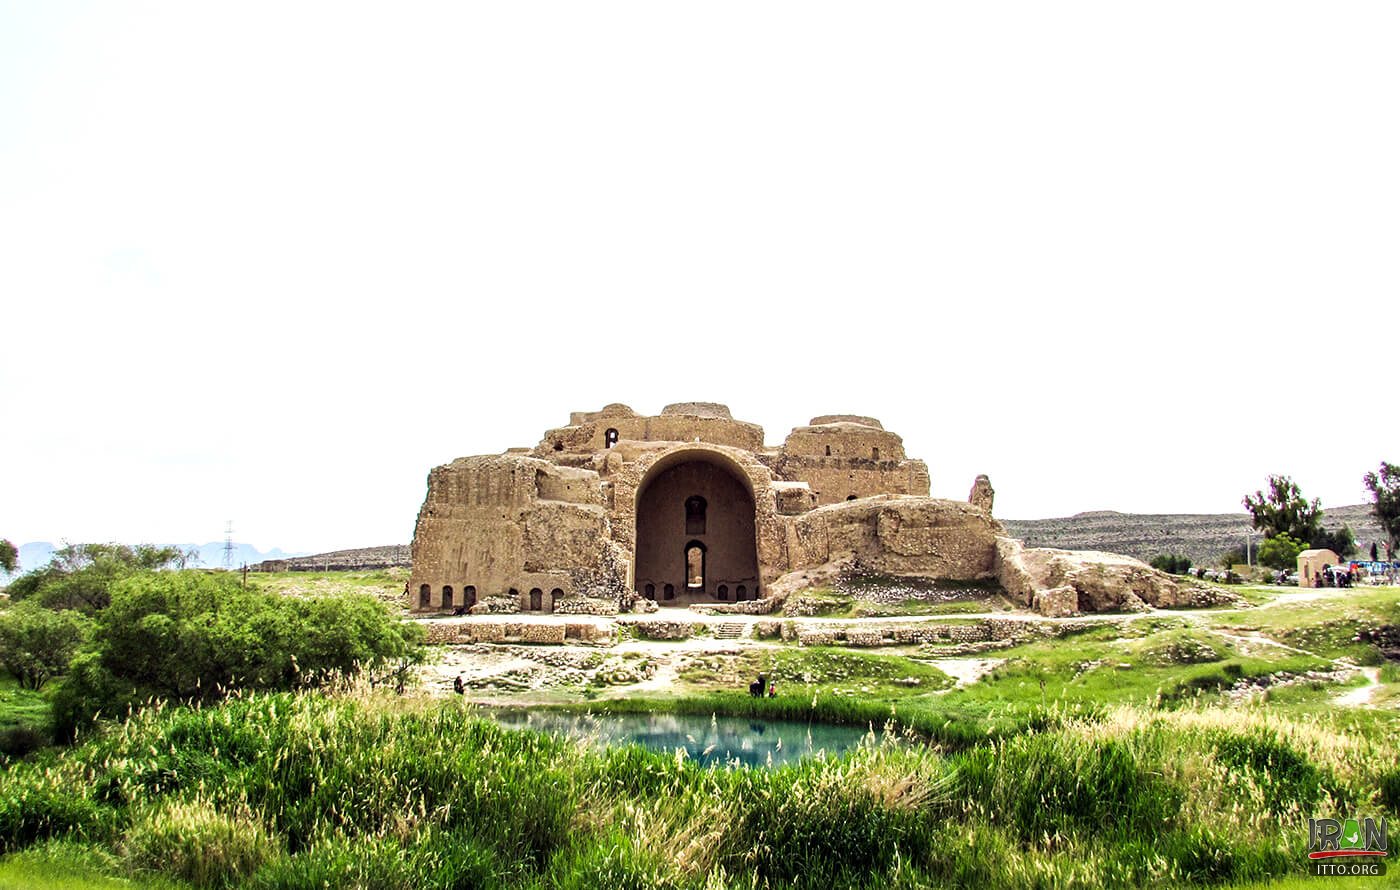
(1201, 536)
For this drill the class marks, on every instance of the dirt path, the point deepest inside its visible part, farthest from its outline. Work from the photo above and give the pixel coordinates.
(966, 671)
(1360, 697)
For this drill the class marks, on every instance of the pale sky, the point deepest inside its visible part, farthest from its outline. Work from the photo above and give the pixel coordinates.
(271, 262)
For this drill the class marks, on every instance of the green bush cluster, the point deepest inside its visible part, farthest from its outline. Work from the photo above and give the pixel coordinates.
(1171, 563)
(192, 636)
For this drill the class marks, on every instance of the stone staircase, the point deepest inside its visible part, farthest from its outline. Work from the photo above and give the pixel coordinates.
(731, 630)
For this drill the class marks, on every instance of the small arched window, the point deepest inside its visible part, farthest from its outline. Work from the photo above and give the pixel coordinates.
(874, 454)
(724, 591)
(425, 596)
(447, 596)
(828, 451)
(536, 599)
(695, 515)
(610, 438)
(469, 596)
(668, 592)
(650, 591)
(742, 593)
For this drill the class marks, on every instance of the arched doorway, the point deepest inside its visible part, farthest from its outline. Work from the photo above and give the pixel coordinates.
(695, 529)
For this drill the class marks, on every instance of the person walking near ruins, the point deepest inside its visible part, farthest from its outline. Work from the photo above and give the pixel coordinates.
(457, 685)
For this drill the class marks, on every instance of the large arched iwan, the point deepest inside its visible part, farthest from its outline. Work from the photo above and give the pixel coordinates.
(701, 500)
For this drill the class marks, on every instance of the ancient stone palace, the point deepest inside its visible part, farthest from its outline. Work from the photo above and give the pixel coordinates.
(689, 507)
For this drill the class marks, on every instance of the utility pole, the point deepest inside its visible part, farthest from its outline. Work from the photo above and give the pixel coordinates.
(228, 545)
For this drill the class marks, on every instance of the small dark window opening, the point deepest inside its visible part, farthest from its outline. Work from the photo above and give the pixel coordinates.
(425, 596)
(650, 591)
(695, 566)
(610, 438)
(514, 594)
(668, 592)
(874, 454)
(850, 497)
(742, 593)
(724, 591)
(558, 446)
(536, 599)
(556, 593)
(828, 451)
(447, 596)
(469, 596)
(695, 515)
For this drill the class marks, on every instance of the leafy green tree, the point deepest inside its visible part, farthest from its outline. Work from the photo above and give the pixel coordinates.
(1171, 563)
(191, 636)
(79, 576)
(37, 644)
(1341, 542)
(9, 556)
(1235, 556)
(1281, 552)
(1385, 492)
(1284, 511)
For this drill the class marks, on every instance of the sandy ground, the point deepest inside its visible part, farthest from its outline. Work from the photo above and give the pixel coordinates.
(502, 673)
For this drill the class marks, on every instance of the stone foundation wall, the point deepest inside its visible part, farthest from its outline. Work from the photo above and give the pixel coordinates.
(665, 630)
(763, 606)
(543, 633)
(493, 632)
(588, 633)
(583, 605)
(497, 605)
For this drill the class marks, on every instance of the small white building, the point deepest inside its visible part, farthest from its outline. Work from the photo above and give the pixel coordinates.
(1311, 563)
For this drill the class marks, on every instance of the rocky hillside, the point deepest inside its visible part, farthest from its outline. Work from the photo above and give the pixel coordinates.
(361, 559)
(1201, 536)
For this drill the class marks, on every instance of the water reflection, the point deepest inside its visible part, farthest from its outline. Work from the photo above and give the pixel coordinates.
(710, 741)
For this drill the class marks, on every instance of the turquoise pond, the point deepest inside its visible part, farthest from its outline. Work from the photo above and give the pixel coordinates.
(710, 741)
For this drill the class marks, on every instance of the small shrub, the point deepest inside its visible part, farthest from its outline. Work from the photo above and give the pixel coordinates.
(21, 741)
(1048, 783)
(1390, 789)
(1285, 776)
(41, 804)
(200, 844)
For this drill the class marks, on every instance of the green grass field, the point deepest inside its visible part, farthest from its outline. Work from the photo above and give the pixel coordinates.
(1110, 757)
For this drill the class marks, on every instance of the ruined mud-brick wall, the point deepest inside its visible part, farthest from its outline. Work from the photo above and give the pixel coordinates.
(590, 433)
(502, 526)
(843, 457)
(899, 536)
(539, 526)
